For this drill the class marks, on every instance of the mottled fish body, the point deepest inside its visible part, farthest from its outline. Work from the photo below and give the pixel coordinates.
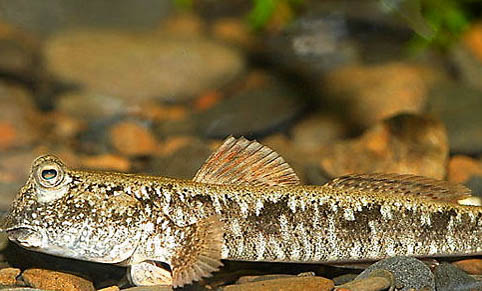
(244, 204)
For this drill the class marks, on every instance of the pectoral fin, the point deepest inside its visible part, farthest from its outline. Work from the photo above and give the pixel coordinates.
(200, 253)
(240, 161)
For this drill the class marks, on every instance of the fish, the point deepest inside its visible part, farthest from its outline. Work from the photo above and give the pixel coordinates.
(244, 204)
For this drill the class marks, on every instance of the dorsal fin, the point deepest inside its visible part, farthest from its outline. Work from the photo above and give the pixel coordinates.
(404, 185)
(240, 161)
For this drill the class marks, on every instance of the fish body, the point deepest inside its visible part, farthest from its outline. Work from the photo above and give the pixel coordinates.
(140, 221)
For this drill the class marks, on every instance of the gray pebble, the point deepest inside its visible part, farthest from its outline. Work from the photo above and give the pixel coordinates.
(450, 278)
(408, 272)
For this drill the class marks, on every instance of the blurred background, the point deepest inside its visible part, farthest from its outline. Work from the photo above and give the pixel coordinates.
(153, 87)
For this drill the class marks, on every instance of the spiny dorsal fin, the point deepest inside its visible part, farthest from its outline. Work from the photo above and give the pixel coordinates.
(404, 185)
(200, 255)
(240, 161)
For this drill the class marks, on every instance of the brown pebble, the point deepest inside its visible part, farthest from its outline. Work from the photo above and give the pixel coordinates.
(207, 100)
(232, 30)
(111, 288)
(107, 162)
(183, 24)
(462, 168)
(366, 284)
(288, 284)
(249, 279)
(132, 139)
(8, 276)
(375, 92)
(173, 144)
(159, 113)
(473, 40)
(405, 144)
(8, 135)
(52, 280)
(471, 266)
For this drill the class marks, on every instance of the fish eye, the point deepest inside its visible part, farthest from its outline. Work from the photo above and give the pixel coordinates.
(49, 174)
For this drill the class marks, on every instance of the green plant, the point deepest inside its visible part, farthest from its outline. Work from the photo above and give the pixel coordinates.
(448, 18)
(263, 10)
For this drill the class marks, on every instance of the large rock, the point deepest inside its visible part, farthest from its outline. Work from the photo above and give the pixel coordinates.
(143, 65)
(253, 112)
(371, 93)
(90, 106)
(52, 15)
(406, 144)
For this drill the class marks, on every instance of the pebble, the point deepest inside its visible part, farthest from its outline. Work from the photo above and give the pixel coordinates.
(183, 24)
(52, 280)
(90, 106)
(8, 276)
(406, 144)
(8, 135)
(249, 279)
(315, 131)
(448, 278)
(462, 119)
(106, 162)
(132, 139)
(158, 113)
(315, 43)
(471, 266)
(63, 127)
(234, 31)
(163, 67)
(286, 284)
(345, 278)
(111, 288)
(45, 19)
(20, 56)
(251, 113)
(372, 93)
(462, 168)
(473, 40)
(409, 273)
(372, 283)
(182, 161)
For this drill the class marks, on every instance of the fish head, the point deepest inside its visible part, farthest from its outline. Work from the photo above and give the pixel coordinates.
(28, 218)
(61, 211)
